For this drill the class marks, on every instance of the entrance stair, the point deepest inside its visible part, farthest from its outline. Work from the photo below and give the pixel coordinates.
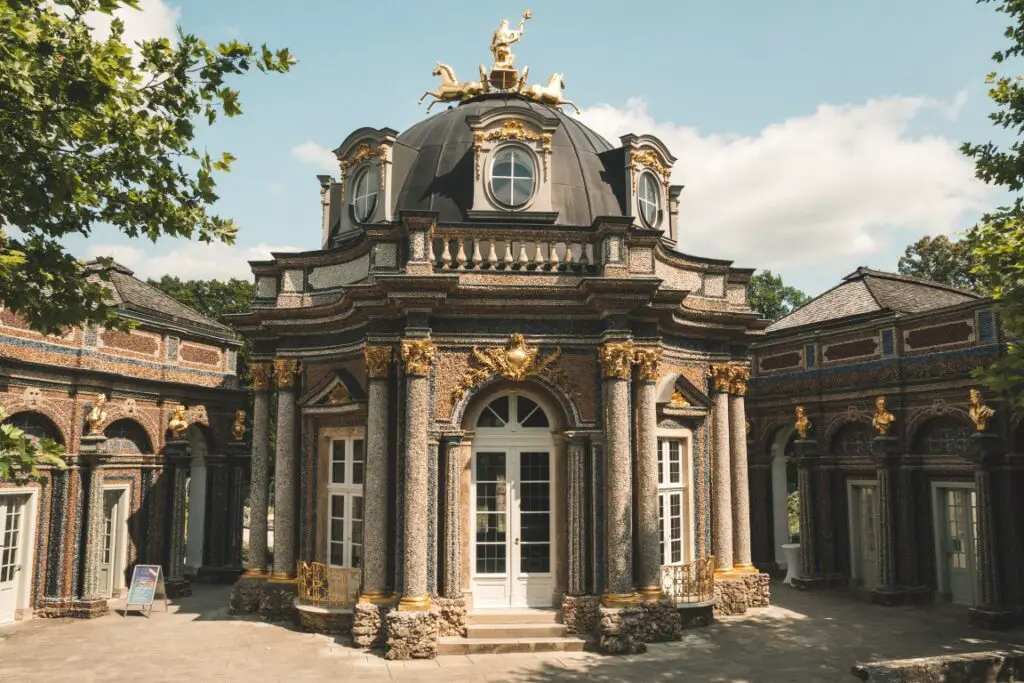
(517, 630)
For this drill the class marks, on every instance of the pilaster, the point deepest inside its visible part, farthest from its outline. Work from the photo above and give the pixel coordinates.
(616, 366)
(94, 601)
(721, 471)
(885, 453)
(178, 456)
(375, 500)
(992, 612)
(577, 513)
(740, 478)
(648, 525)
(260, 477)
(286, 371)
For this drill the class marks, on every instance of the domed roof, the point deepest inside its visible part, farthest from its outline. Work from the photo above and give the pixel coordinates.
(433, 167)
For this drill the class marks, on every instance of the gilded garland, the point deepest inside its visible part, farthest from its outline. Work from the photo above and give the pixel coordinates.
(616, 360)
(512, 130)
(646, 361)
(261, 374)
(418, 355)
(648, 158)
(285, 370)
(721, 377)
(178, 423)
(515, 362)
(364, 153)
(378, 361)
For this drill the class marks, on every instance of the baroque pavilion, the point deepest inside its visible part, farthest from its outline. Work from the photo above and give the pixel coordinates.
(500, 384)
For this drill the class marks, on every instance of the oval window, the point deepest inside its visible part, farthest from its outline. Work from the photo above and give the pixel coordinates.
(649, 200)
(513, 176)
(364, 194)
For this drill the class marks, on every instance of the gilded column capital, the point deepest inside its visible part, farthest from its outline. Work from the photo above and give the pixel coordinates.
(261, 374)
(285, 370)
(646, 361)
(378, 361)
(418, 355)
(738, 377)
(721, 377)
(616, 360)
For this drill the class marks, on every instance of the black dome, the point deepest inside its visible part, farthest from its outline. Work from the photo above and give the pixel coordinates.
(433, 165)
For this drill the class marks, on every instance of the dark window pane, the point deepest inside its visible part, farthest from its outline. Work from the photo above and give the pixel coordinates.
(357, 556)
(357, 473)
(536, 527)
(357, 507)
(490, 528)
(535, 558)
(534, 467)
(490, 467)
(337, 530)
(536, 497)
(503, 190)
(338, 506)
(337, 554)
(357, 532)
(490, 559)
(357, 450)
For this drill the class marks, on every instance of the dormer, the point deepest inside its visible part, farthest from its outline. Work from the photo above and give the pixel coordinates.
(649, 193)
(364, 192)
(512, 150)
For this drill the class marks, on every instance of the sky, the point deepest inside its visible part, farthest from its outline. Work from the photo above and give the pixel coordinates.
(812, 137)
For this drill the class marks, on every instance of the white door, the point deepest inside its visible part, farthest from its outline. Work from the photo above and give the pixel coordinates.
(513, 528)
(865, 535)
(12, 553)
(113, 528)
(959, 534)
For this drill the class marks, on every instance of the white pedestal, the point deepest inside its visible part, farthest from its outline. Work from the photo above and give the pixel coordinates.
(792, 552)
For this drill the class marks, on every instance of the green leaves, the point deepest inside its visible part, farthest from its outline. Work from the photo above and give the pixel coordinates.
(772, 298)
(942, 260)
(21, 455)
(89, 136)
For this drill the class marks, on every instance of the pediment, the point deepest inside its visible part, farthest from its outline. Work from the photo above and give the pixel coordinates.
(337, 389)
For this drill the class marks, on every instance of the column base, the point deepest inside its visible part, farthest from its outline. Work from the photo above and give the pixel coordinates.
(895, 596)
(282, 577)
(736, 593)
(178, 588)
(245, 594)
(581, 614)
(992, 617)
(377, 598)
(89, 609)
(453, 616)
(618, 600)
(369, 624)
(621, 630)
(650, 594)
(277, 599)
(414, 603)
(412, 635)
(254, 572)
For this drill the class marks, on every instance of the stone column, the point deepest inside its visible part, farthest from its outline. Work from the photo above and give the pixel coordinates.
(885, 453)
(648, 525)
(991, 613)
(239, 462)
(740, 477)
(285, 372)
(197, 489)
(721, 472)
(418, 355)
(94, 599)
(806, 454)
(375, 494)
(576, 491)
(616, 365)
(178, 456)
(452, 584)
(260, 477)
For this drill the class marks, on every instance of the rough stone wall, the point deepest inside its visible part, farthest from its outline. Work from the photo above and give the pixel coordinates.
(322, 621)
(453, 616)
(977, 667)
(622, 631)
(581, 614)
(245, 595)
(731, 597)
(412, 635)
(661, 622)
(277, 601)
(368, 625)
(759, 590)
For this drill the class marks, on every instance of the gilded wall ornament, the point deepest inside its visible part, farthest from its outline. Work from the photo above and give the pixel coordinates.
(418, 355)
(802, 425)
(378, 361)
(285, 370)
(647, 158)
(97, 416)
(979, 413)
(177, 424)
(721, 377)
(261, 374)
(238, 426)
(738, 380)
(365, 152)
(616, 360)
(338, 395)
(512, 129)
(678, 400)
(515, 362)
(646, 361)
(883, 419)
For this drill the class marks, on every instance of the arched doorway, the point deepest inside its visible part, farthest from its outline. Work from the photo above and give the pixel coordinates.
(512, 527)
(783, 487)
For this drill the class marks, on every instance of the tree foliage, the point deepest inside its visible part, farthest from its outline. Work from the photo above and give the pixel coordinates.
(20, 454)
(98, 133)
(941, 259)
(772, 298)
(997, 241)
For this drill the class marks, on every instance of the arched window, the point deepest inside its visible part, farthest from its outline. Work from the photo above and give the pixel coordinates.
(512, 411)
(853, 438)
(942, 436)
(127, 437)
(35, 425)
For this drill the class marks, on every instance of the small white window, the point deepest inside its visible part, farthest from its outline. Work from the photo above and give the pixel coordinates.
(672, 458)
(345, 503)
(364, 194)
(649, 200)
(513, 177)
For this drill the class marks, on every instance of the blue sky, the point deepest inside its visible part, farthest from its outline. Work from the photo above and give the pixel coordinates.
(812, 136)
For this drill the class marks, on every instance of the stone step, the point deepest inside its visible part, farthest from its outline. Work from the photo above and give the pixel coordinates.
(454, 645)
(514, 616)
(515, 630)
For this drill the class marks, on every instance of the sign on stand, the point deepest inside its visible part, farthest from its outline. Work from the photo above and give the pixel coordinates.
(147, 586)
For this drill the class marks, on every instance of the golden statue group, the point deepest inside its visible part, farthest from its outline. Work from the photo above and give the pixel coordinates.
(503, 76)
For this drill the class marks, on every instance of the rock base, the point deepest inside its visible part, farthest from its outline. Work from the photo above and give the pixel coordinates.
(992, 618)
(89, 609)
(177, 588)
(581, 614)
(1007, 665)
(660, 622)
(277, 601)
(332, 622)
(369, 625)
(622, 630)
(759, 590)
(697, 614)
(245, 594)
(735, 594)
(412, 635)
(453, 616)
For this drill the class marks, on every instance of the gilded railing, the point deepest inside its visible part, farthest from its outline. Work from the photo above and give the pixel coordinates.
(689, 583)
(321, 585)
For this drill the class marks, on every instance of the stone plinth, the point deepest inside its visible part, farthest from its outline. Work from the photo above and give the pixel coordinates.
(992, 618)
(88, 609)
(976, 667)
(730, 596)
(368, 625)
(277, 600)
(412, 635)
(178, 588)
(324, 620)
(660, 622)
(245, 594)
(759, 590)
(696, 615)
(581, 614)
(622, 630)
(453, 616)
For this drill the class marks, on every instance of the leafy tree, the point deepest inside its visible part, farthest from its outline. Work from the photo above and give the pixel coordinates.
(20, 454)
(997, 241)
(942, 260)
(772, 298)
(94, 133)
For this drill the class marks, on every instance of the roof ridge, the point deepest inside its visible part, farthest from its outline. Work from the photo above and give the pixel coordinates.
(913, 279)
(127, 300)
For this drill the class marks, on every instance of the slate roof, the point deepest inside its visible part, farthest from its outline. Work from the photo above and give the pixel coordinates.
(866, 291)
(131, 293)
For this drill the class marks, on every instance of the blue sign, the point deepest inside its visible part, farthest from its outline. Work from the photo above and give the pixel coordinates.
(147, 580)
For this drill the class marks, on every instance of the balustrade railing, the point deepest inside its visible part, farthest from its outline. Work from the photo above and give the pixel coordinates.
(321, 585)
(689, 583)
(527, 254)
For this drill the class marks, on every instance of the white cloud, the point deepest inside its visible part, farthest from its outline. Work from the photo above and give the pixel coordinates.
(188, 260)
(831, 190)
(153, 19)
(315, 155)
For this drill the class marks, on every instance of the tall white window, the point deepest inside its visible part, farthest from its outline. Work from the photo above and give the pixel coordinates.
(672, 502)
(345, 503)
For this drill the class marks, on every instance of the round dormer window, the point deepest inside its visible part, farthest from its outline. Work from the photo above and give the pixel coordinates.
(513, 177)
(649, 200)
(364, 194)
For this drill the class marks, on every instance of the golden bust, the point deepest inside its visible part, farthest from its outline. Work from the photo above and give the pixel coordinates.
(979, 413)
(97, 416)
(802, 424)
(883, 419)
(238, 426)
(177, 424)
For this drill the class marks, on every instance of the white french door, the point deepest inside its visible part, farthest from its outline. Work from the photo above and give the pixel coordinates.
(13, 540)
(114, 529)
(958, 532)
(864, 533)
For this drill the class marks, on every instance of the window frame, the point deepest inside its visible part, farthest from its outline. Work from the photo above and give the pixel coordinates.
(349, 491)
(682, 490)
(649, 178)
(373, 193)
(531, 159)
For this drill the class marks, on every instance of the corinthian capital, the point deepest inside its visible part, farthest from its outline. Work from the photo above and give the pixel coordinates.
(646, 361)
(285, 370)
(261, 374)
(721, 376)
(418, 355)
(738, 380)
(378, 361)
(616, 360)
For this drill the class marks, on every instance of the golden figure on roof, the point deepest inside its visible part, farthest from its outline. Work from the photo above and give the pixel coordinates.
(503, 40)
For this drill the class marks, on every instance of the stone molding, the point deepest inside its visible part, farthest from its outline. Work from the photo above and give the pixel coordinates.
(378, 361)
(418, 355)
(285, 371)
(616, 360)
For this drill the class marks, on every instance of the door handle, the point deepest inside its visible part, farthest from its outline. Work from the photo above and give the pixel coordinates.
(516, 541)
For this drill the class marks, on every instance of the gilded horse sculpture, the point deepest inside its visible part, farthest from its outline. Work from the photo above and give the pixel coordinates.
(551, 94)
(450, 88)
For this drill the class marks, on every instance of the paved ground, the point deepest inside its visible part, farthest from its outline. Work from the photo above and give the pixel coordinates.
(804, 638)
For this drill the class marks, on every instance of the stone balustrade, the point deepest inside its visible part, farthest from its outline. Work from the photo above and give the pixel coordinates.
(511, 252)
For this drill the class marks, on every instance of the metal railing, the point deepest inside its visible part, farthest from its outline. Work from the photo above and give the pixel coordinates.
(689, 583)
(321, 585)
